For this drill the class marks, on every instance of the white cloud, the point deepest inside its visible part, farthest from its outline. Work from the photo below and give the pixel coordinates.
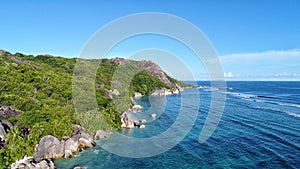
(273, 56)
(262, 65)
(228, 75)
(284, 74)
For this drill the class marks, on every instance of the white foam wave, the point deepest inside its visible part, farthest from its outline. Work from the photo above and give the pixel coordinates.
(250, 97)
(211, 89)
(96, 151)
(77, 155)
(242, 95)
(266, 108)
(289, 105)
(259, 101)
(293, 114)
(278, 110)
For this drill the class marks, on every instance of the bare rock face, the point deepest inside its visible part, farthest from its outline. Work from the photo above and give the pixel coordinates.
(153, 69)
(49, 147)
(117, 60)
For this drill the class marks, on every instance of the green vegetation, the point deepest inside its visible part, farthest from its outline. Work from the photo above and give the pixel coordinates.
(145, 84)
(41, 87)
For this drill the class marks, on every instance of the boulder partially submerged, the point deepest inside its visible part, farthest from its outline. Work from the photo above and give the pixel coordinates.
(127, 121)
(100, 134)
(153, 115)
(137, 108)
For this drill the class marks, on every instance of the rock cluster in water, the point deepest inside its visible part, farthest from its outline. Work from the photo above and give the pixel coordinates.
(128, 120)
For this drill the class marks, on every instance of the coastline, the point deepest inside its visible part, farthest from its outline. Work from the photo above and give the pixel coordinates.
(69, 146)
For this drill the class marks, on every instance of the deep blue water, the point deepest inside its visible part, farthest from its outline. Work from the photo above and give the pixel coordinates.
(260, 128)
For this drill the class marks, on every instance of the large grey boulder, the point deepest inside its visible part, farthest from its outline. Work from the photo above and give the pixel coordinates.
(80, 139)
(72, 146)
(49, 147)
(86, 140)
(100, 134)
(127, 121)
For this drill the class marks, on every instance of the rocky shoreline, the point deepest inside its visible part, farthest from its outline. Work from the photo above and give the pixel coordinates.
(129, 121)
(50, 148)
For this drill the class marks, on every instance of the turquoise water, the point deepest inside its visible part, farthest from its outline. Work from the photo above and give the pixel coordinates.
(260, 128)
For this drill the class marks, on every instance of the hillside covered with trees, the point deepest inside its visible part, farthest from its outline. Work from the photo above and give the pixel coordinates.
(36, 97)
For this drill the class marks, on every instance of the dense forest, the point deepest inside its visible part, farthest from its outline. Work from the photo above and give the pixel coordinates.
(39, 88)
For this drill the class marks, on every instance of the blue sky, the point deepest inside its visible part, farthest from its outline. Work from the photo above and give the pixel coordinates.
(255, 39)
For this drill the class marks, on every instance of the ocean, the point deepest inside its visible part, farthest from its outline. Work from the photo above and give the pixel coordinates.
(259, 128)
